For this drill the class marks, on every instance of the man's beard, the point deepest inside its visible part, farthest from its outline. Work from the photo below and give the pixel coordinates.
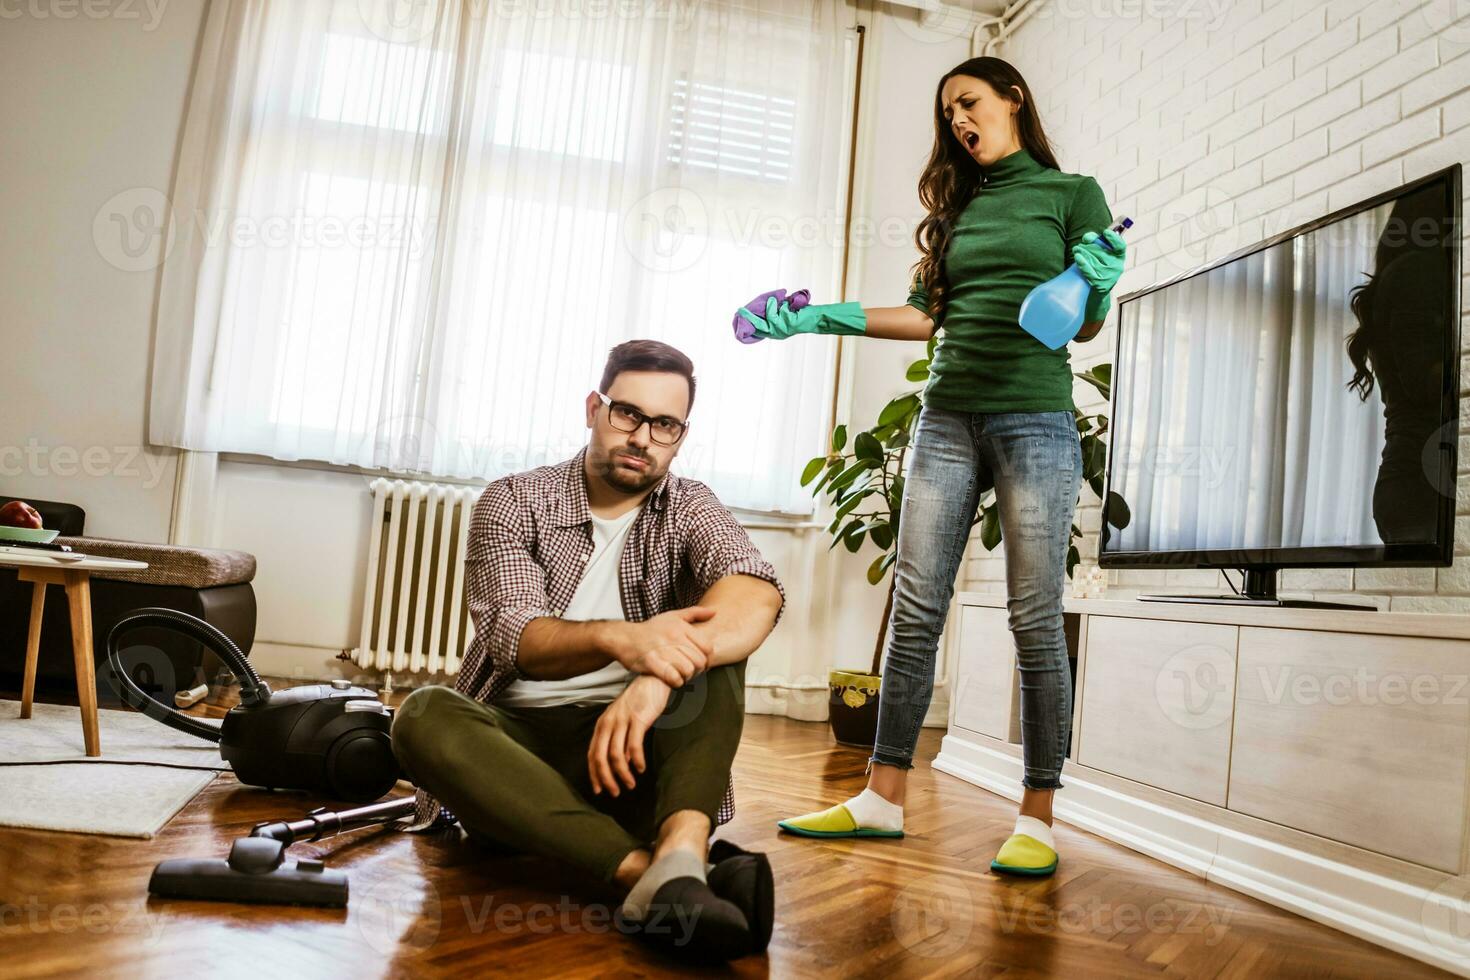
(625, 479)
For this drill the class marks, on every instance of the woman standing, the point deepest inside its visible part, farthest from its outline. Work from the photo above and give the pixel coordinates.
(1002, 219)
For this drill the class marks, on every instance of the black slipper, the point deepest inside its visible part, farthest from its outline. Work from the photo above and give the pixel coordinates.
(686, 917)
(744, 877)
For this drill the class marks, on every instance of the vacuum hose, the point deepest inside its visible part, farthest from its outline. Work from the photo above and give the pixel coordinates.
(252, 688)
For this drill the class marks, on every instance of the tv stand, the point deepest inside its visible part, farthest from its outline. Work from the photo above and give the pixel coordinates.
(1255, 600)
(1314, 759)
(1258, 589)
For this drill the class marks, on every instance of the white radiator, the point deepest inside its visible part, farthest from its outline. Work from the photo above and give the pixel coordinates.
(413, 612)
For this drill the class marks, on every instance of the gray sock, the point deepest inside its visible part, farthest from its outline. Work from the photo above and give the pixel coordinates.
(675, 864)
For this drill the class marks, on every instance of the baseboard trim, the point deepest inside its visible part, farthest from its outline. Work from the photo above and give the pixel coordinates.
(1395, 914)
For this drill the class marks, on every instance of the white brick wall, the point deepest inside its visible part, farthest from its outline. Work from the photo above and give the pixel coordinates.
(1216, 133)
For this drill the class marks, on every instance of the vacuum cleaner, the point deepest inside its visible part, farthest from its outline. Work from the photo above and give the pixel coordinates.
(257, 870)
(328, 739)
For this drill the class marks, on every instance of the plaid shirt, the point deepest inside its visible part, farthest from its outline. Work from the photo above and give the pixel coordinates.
(529, 540)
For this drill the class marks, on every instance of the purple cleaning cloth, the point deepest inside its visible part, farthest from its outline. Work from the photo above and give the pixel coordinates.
(745, 330)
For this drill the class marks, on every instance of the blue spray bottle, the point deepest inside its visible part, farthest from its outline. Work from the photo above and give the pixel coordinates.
(1052, 312)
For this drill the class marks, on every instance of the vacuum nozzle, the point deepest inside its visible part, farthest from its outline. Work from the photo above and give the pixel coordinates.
(256, 871)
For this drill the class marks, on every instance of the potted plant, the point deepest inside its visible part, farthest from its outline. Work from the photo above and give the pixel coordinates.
(865, 483)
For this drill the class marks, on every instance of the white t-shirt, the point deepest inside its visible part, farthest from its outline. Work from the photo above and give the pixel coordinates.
(597, 597)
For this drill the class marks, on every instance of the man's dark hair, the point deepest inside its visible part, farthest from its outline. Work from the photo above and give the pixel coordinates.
(647, 355)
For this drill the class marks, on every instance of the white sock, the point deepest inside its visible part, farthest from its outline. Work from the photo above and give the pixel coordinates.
(1038, 829)
(874, 812)
(674, 864)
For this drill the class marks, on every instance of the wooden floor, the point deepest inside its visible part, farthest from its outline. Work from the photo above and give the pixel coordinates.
(927, 905)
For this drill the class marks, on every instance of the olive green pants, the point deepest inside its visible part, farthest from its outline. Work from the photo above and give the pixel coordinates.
(519, 775)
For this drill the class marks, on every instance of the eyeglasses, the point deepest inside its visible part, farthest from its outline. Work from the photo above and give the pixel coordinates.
(663, 430)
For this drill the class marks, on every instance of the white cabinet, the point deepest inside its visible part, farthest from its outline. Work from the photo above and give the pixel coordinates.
(987, 690)
(1156, 700)
(1315, 759)
(1357, 737)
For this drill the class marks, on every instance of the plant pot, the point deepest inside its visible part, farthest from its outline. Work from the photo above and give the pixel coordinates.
(852, 707)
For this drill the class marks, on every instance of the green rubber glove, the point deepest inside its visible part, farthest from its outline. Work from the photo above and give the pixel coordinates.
(1101, 268)
(781, 321)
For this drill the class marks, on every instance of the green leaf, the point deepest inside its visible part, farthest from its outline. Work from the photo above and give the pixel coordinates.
(839, 438)
(882, 534)
(1094, 456)
(1096, 482)
(851, 473)
(930, 346)
(1072, 559)
(833, 469)
(812, 469)
(990, 528)
(867, 447)
(1118, 513)
(1100, 377)
(1083, 422)
(852, 502)
(895, 494)
(898, 408)
(854, 541)
(875, 570)
(841, 536)
(918, 371)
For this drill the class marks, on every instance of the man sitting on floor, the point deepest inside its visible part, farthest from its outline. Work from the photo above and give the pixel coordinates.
(598, 587)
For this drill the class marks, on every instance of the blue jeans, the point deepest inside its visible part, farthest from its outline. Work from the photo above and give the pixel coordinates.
(1034, 461)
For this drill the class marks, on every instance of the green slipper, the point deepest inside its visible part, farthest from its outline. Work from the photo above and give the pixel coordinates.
(1022, 854)
(834, 821)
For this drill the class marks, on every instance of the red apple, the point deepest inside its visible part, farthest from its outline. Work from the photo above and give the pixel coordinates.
(18, 513)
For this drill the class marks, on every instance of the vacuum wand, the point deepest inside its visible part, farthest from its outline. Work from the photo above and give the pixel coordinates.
(257, 870)
(322, 823)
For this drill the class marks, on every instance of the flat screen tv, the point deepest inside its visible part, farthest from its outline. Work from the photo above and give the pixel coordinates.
(1296, 403)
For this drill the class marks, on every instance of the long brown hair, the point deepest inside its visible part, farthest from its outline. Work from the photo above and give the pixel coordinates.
(952, 177)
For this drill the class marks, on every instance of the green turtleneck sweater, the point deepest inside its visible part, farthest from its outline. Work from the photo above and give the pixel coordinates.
(1014, 234)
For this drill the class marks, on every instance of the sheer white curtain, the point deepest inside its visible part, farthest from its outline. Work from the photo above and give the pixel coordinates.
(407, 234)
(1234, 425)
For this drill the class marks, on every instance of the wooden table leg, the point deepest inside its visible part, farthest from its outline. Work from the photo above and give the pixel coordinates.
(79, 598)
(33, 648)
